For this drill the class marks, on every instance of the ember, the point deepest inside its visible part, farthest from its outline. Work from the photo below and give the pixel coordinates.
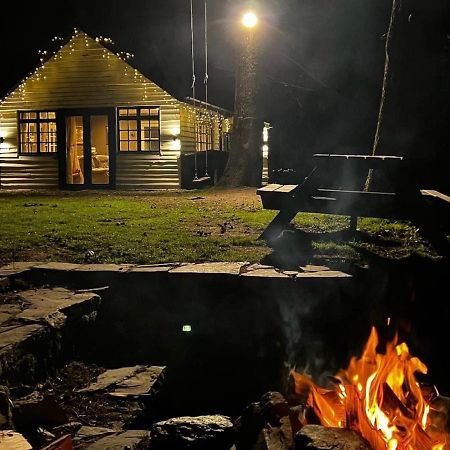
(379, 397)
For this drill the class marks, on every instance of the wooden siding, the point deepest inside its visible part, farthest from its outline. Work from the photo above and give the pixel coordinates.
(29, 172)
(84, 74)
(188, 116)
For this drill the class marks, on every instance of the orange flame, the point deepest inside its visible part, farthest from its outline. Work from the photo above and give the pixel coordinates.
(379, 397)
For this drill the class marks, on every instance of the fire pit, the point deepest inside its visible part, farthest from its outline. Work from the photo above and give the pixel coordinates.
(379, 397)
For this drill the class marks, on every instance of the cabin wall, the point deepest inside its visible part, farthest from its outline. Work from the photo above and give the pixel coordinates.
(84, 74)
(188, 116)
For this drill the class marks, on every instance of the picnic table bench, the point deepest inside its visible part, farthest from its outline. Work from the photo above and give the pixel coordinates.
(317, 193)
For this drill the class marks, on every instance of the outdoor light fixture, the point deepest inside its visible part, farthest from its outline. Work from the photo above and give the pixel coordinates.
(249, 19)
(187, 328)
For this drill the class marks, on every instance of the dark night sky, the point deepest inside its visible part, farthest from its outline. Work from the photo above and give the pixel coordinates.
(322, 61)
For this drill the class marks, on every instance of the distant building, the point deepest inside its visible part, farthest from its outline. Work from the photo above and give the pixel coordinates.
(87, 119)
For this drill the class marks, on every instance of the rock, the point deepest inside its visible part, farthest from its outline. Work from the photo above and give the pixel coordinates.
(128, 440)
(196, 433)
(317, 437)
(38, 410)
(276, 438)
(272, 411)
(136, 381)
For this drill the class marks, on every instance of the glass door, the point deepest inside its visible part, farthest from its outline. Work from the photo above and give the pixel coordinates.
(87, 156)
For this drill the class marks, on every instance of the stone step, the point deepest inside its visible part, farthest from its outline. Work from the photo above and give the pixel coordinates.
(31, 323)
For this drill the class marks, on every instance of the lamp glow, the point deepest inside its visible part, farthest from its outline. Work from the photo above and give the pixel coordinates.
(249, 19)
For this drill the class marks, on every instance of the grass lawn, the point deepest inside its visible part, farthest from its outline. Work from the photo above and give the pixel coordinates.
(209, 225)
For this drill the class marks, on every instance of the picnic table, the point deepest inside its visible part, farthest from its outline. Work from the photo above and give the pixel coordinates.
(319, 192)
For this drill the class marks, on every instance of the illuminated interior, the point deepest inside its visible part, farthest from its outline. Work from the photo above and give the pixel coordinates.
(76, 151)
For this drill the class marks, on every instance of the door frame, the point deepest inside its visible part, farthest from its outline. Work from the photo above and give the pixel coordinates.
(86, 113)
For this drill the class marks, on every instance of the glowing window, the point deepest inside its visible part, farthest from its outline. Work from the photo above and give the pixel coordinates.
(139, 129)
(38, 132)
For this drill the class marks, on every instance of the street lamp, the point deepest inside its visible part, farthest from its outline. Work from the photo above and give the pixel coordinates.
(249, 19)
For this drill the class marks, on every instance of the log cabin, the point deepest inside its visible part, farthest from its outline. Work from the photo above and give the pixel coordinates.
(86, 119)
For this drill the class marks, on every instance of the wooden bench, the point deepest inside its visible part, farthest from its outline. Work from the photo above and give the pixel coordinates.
(428, 209)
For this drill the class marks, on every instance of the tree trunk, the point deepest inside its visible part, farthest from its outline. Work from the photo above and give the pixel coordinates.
(411, 119)
(244, 167)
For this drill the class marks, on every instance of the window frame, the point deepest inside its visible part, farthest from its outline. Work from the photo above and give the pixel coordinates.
(139, 118)
(38, 121)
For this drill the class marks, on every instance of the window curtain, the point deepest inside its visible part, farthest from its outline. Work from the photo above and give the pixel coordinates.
(74, 173)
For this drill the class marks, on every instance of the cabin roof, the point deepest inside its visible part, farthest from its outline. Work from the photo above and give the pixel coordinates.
(79, 33)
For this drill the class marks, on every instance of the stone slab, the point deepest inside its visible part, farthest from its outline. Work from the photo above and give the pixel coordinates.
(10, 440)
(139, 384)
(14, 335)
(324, 274)
(128, 440)
(114, 268)
(18, 268)
(313, 268)
(57, 266)
(110, 377)
(86, 431)
(228, 268)
(262, 271)
(127, 381)
(153, 268)
(48, 305)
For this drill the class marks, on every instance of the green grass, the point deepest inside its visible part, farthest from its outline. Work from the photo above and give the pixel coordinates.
(162, 227)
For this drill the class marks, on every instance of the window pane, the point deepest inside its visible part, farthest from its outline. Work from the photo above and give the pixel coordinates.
(123, 124)
(43, 115)
(123, 146)
(32, 127)
(154, 111)
(23, 127)
(44, 148)
(33, 148)
(32, 116)
(124, 135)
(145, 112)
(52, 126)
(133, 146)
(52, 115)
(44, 137)
(132, 112)
(123, 112)
(145, 145)
(133, 135)
(154, 146)
(132, 124)
(43, 127)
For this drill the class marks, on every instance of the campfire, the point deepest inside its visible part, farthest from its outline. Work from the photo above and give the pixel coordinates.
(379, 397)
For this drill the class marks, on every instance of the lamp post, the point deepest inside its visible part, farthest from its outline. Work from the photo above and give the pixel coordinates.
(244, 167)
